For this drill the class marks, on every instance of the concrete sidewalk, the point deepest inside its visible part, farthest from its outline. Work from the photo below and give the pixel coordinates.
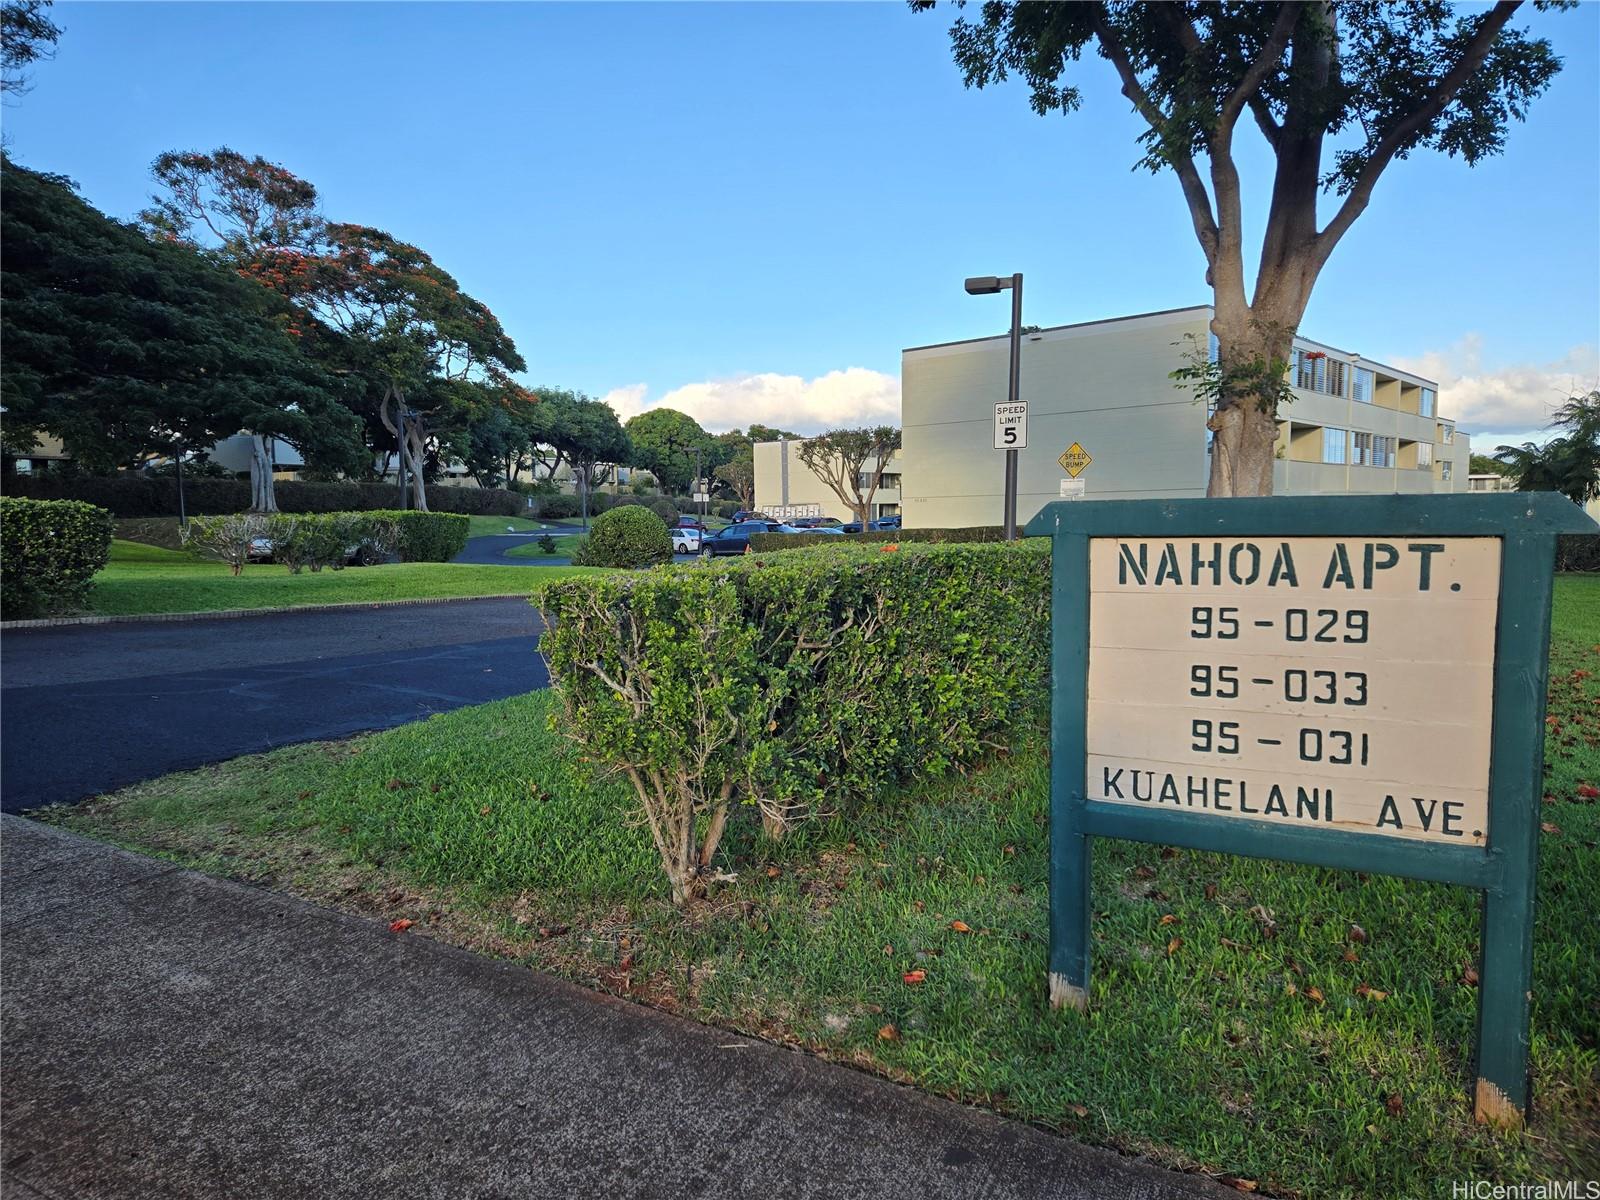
(169, 1034)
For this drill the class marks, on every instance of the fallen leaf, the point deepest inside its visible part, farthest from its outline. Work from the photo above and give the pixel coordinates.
(1588, 791)
(1314, 994)
(1173, 945)
(1168, 919)
(627, 962)
(1470, 976)
(772, 726)
(773, 872)
(1290, 989)
(1008, 851)
(1351, 956)
(400, 926)
(1078, 1110)
(1211, 891)
(1367, 992)
(960, 927)
(1394, 1104)
(1549, 827)
(550, 931)
(888, 1033)
(484, 811)
(1358, 934)
(918, 905)
(912, 978)
(1143, 873)
(1240, 1185)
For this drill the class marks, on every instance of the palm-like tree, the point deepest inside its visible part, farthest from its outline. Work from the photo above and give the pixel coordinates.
(1570, 463)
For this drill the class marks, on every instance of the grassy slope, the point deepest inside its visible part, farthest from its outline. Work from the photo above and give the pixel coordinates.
(1206, 1046)
(566, 544)
(148, 579)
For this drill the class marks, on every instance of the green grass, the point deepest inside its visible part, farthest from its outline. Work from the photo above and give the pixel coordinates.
(149, 579)
(1234, 1027)
(484, 526)
(566, 544)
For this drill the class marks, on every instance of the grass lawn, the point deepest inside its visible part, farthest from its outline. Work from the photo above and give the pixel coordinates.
(484, 526)
(566, 544)
(149, 579)
(1237, 1026)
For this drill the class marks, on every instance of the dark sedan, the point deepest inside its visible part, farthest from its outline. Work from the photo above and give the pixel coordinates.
(735, 539)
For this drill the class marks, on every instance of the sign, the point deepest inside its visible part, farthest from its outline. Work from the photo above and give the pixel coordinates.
(701, 497)
(1073, 489)
(1074, 460)
(785, 511)
(1340, 683)
(1011, 426)
(1356, 683)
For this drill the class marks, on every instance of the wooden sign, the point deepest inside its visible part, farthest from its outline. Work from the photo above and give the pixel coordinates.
(1352, 682)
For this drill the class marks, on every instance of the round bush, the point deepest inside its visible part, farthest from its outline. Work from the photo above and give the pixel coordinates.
(665, 509)
(49, 553)
(629, 536)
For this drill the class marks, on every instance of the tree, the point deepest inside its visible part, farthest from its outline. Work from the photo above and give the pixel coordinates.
(245, 209)
(664, 443)
(594, 444)
(739, 474)
(126, 348)
(839, 458)
(416, 352)
(1385, 80)
(27, 36)
(1569, 464)
(767, 433)
(1483, 464)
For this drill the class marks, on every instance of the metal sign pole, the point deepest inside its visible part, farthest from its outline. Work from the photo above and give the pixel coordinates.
(1013, 389)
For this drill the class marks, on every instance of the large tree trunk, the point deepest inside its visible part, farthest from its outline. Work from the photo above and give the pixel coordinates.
(416, 456)
(1254, 348)
(263, 498)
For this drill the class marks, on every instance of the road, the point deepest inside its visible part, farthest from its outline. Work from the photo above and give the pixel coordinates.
(85, 709)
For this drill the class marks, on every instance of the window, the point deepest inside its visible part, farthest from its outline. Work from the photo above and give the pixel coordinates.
(1362, 390)
(1307, 371)
(1334, 445)
(1361, 452)
(1447, 433)
(1424, 454)
(1383, 451)
(24, 466)
(1336, 372)
(1425, 402)
(1444, 469)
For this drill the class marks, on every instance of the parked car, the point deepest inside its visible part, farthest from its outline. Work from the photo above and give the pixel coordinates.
(815, 523)
(881, 523)
(691, 522)
(686, 540)
(748, 514)
(735, 538)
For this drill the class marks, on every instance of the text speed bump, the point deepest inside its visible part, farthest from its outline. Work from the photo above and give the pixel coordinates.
(1355, 683)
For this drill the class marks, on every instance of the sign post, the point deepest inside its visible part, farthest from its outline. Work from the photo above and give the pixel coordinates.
(1356, 683)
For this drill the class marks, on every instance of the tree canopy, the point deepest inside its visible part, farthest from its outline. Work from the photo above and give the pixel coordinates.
(1339, 89)
(664, 443)
(1568, 463)
(840, 458)
(27, 36)
(126, 348)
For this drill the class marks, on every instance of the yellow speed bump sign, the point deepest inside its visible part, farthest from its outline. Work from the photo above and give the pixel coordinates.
(1074, 460)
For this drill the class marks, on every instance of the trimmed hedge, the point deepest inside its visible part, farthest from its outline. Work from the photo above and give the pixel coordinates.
(143, 496)
(317, 540)
(799, 541)
(49, 553)
(427, 536)
(798, 682)
(629, 535)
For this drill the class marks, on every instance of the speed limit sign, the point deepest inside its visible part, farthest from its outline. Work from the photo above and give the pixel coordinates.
(1011, 426)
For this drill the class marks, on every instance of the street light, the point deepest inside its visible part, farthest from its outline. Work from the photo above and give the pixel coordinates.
(988, 285)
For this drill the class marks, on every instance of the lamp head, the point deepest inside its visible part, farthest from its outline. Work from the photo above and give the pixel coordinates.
(984, 285)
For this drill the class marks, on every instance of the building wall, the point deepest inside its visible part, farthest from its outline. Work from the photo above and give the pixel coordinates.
(779, 486)
(1107, 386)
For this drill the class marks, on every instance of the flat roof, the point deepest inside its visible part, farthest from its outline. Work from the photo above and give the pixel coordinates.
(1395, 372)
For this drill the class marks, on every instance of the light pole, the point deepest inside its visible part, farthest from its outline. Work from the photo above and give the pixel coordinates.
(988, 285)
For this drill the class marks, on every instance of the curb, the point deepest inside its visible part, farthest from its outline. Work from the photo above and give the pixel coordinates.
(236, 613)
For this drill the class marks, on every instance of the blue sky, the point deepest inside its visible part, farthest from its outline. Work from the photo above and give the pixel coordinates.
(747, 210)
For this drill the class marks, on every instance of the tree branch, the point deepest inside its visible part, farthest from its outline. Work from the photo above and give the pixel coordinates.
(1271, 51)
(1263, 115)
(1400, 136)
(1194, 189)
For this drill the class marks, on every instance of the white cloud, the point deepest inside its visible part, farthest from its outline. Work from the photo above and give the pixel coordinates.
(1503, 403)
(851, 397)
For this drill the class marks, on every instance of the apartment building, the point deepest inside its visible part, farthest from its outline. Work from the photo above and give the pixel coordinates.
(1356, 426)
(786, 487)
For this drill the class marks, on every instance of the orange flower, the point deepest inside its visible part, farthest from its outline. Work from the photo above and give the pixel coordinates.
(890, 548)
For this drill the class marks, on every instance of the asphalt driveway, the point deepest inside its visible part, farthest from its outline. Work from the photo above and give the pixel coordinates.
(85, 709)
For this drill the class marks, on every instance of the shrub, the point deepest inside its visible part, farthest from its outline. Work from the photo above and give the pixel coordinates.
(426, 536)
(666, 509)
(547, 544)
(558, 506)
(627, 536)
(1578, 552)
(797, 681)
(146, 496)
(49, 553)
(792, 541)
(229, 537)
(318, 540)
(725, 508)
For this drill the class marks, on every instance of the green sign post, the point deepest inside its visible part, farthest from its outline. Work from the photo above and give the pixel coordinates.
(1351, 682)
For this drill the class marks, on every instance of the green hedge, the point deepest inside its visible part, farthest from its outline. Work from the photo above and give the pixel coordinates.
(799, 541)
(797, 682)
(427, 536)
(629, 535)
(1578, 552)
(49, 553)
(143, 496)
